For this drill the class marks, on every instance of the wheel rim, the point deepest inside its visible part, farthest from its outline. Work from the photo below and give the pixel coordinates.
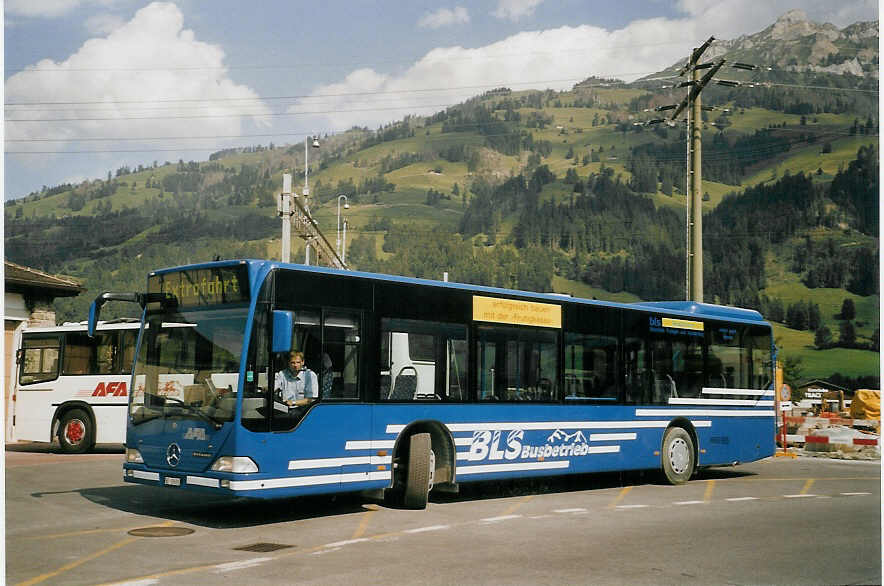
(679, 455)
(74, 431)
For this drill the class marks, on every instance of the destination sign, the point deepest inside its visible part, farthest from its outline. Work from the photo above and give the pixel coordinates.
(511, 311)
(200, 287)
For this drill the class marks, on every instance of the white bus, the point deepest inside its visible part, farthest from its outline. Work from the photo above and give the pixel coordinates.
(73, 387)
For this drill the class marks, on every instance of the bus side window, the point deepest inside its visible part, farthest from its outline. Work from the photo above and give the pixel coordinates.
(338, 369)
(128, 339)
(39, 362)
(517, 364)
(422, 361)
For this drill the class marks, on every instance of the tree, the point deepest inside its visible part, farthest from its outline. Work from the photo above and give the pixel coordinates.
(823, 338)
(848, 309)
(848, 335)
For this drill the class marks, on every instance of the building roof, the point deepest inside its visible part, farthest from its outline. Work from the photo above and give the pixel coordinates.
(823, 383)
(22, 279)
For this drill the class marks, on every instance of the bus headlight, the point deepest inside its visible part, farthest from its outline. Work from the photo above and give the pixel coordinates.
(235, 464)
(133, 456)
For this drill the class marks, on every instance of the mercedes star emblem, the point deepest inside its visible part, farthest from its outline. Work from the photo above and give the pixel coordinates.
(173, 455)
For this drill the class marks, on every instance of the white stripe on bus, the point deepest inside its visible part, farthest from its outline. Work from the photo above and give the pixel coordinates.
(332, 462)
(465, 456)
(542, 425)
(203, 481)
(611, 437)
(705, 413)
(370, 444)
(489, 468)
(730, 402)
(269, 483)
(745, 392)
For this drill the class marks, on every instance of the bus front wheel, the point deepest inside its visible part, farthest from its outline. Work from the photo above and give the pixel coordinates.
(75, 432)
(678, 455)
(421, 465)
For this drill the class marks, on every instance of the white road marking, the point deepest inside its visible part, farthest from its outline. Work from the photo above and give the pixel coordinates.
(742, 498)
(633, 506)
(855, 493)
(569, 511)
(240, 565)
(688, 503)
(501, 518)
(798, 496)
(430, 528)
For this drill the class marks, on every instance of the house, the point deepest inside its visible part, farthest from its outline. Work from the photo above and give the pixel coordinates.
(27, 301)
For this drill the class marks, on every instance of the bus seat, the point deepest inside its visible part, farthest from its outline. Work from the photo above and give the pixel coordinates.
(405, 385)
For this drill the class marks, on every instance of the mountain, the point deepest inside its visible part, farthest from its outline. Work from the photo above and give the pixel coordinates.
(544, 191)
(795, 44)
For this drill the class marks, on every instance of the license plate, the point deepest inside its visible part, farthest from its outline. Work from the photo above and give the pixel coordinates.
(172, 481)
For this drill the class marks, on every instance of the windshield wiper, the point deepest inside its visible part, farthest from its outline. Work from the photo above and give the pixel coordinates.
(175, 401)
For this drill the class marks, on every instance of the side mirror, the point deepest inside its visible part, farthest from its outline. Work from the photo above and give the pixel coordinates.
(283, 324)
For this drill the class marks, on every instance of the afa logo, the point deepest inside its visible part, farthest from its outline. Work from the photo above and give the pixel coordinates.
(112, 389)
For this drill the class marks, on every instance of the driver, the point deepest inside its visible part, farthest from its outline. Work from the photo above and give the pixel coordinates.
(296, 384)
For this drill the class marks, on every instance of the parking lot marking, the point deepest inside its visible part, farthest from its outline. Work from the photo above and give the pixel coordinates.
(578, 510)
(807, 485)
(430, 528)
(518, 504)
(633, 506)
(500, 518)
(363, 524)
(689, 502)
(798, 496)
(710, 488)
(742, 498)
(77, 563)
(855, 493)
(240, 565)
(623, 492)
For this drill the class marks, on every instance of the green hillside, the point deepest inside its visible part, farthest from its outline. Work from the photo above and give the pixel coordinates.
(482, 182)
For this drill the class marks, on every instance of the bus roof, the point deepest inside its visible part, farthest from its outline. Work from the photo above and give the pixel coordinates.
(684, 308)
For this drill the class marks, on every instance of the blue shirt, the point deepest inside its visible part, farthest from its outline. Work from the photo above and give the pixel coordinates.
(293, 386)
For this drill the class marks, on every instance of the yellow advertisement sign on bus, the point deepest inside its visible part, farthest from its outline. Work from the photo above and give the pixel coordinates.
(511, 311)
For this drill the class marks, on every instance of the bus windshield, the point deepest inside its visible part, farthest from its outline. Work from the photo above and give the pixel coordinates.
(189, 367)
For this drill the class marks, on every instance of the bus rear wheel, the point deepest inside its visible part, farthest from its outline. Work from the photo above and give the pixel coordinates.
(678, 455)
(75, 432)
(421, 465)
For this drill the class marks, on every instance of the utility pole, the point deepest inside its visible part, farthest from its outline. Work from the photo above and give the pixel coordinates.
(694, 179)
(695, 274)
(293, 211)
(693, 167)
(284, 211)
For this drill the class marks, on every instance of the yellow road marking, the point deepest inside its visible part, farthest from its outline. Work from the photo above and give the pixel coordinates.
(807, 485)
(516, 505)
(363, 524)
(81, 561)
(623, 492)
(710, 488)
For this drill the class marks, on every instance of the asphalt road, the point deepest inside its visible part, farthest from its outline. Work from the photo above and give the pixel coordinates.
(778, 521)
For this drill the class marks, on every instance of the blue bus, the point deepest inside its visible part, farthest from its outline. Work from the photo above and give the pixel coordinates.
(423, 385)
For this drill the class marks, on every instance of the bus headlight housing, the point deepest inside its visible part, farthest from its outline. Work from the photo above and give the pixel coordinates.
(235, 464)
(133, 456)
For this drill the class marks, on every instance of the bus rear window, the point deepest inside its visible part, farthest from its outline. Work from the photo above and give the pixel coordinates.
(39, 360)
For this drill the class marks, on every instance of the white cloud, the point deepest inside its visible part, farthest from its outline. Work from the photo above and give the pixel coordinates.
(555, 58)
(150, 77)
(48, 8)
(444, 17)
(103, 24)
(515, 9)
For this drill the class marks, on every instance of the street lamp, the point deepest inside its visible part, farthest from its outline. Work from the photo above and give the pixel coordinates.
(346, 207)
(314, 140)
(344, 248)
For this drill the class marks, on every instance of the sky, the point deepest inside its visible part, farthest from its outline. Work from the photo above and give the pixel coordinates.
(95, 85)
